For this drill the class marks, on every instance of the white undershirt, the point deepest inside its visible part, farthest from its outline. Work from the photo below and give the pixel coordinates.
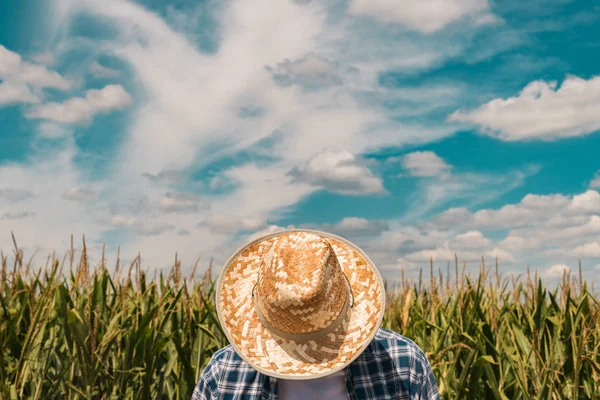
(331, 387)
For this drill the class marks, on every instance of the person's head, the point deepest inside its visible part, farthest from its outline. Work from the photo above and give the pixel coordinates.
(300, 304)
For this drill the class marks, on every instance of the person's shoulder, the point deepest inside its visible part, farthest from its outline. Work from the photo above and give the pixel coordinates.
(221, 371)
(394, 352)
(226, 358)
(396, 344)
(225, 354)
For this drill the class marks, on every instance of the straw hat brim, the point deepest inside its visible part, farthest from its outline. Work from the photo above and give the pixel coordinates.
(280, 358)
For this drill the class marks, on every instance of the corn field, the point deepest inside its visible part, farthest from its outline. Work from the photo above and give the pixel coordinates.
(68, 331)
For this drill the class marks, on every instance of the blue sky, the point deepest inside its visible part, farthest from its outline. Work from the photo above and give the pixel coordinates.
(416, 131)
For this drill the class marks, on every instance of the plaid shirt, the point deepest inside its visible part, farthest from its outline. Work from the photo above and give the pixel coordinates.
(391, 367)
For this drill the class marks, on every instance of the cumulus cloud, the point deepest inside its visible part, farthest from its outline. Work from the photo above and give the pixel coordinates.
(444, 255)
(227, 224)
(99, 71)
(471, 240)
(181, 203)
(415, 249)
(424, 164)
(15, 194)
(424, 16)
(556, 271)
(80, 194)
(15, 70)
(534, 231)
(530, 211)
(586, 203)
(338, 171)
(536, 228)
(82, 109)
(266, 231)
(588, 250)
(16, 92)
(542, 111)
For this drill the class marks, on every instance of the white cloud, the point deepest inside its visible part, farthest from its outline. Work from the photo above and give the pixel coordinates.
(189, 110)
(425, 164)
(188, 116)
(144, 228)
(119, 221)
(551, 224)
(13, 68)
(18, 215)
(255, 187)
(471, 189)
(165, 176)
(312, 71)
(45, 57)
(542, 111)
(22, 81)
(415, 249)
(16, 92)
(56, 218)
(99, 71)
(181, 203)
(79, 194)
(338, 171)
(424, 16)
(265, 231)
(586, 203)
(354, 226)
(595, 182)
(501, 255)
(539, 227)
(170, 71)
(444, 255)
(227, 224)
(82, 109)
(51, 130)
(471, 240)
(556, 271)
(15, 194)
(531, 210)
(153, 229)
(591, 250)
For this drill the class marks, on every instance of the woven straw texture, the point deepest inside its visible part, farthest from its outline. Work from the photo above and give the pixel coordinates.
(299, 284)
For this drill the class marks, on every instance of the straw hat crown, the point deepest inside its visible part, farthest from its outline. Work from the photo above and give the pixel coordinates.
(299, 304)
(301, 288)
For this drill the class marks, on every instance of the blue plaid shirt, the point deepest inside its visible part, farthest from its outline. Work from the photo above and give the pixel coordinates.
(391, 367)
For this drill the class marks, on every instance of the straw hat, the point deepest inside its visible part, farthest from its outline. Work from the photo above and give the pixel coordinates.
(300, 304)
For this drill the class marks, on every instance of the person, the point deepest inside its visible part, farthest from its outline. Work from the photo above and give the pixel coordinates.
(302, 311)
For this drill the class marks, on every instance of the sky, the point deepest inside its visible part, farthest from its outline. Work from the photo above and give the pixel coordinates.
(417, 130)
